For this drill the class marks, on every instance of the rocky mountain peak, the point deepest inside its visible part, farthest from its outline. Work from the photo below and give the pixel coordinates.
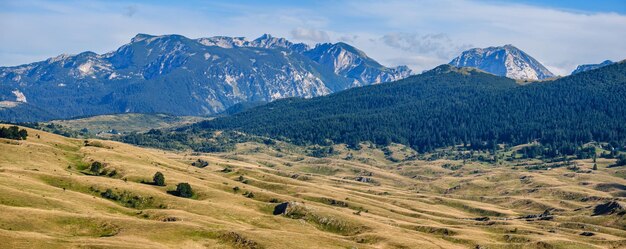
(505, 60)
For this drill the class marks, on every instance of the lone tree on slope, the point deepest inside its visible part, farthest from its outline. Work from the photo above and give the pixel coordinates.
(183, 189)
(158, 179)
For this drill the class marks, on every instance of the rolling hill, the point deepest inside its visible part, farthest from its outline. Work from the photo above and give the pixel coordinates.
(125, 123)
(51, 197)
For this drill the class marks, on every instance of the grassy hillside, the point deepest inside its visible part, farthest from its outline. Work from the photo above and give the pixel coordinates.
(127, 123)
(49, 198)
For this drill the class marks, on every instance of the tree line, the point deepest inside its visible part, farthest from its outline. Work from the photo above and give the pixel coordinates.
(13, 132)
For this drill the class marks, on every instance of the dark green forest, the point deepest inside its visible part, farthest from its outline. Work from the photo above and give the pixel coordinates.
(13, 132)
(449, 106)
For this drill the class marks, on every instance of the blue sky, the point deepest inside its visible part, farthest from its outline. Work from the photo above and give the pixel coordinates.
(420, 34)
(618, 6)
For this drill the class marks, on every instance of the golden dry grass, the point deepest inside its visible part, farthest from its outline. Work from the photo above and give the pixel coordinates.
(47, 200)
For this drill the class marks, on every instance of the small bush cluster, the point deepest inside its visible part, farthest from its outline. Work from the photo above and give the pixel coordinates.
(248, 194)
(96, 167)
(127, 199)
(242, 180)
(334, 202)
(200, 163)
(324, 222)
(452, 166)
(238, 241)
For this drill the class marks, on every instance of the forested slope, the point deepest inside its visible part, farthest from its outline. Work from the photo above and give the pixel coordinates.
(451, 106)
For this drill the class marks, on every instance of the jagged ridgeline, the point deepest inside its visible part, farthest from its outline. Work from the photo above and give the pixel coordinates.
(451, 106)
(177, 75)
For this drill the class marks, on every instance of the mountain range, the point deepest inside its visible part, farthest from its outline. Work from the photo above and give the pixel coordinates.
(182, 76)
(177, 75)
(507, 60)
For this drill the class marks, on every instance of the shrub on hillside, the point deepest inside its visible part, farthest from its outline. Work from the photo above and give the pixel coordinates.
(158, 179)
(248, 194)
(183, 189)
(96, 167)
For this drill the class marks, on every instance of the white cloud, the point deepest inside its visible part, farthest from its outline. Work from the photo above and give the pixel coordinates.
(348, 38)
(439, 45)
(313, 35)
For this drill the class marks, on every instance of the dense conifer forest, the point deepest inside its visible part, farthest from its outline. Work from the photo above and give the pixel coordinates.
(449, 106)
